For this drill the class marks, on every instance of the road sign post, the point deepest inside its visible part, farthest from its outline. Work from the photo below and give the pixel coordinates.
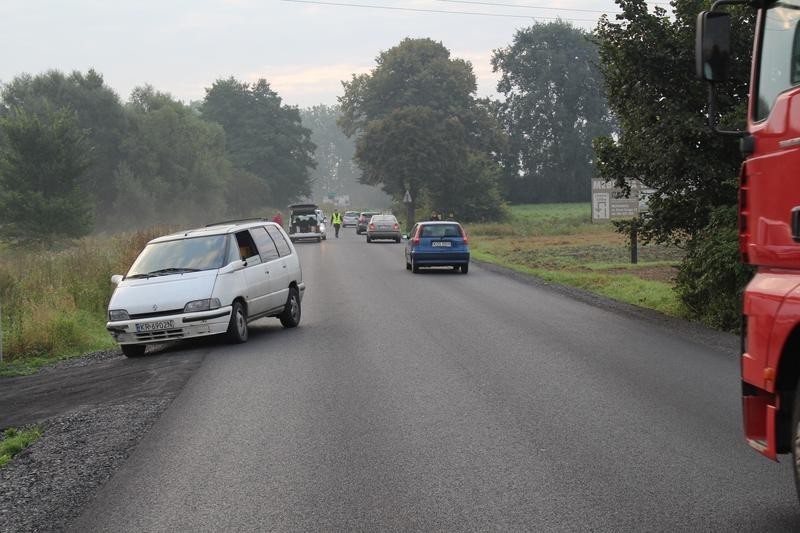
(409, 208)
(1, 333)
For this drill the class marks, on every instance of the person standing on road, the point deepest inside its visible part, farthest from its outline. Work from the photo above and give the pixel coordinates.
(278, 219)
(336, 218)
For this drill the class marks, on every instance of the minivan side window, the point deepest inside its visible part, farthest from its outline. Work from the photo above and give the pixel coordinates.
(265, 245)
(233, 251)
(247, 248)
(280, 241)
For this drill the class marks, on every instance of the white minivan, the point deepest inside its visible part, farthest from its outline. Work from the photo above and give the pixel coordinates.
(206, 281)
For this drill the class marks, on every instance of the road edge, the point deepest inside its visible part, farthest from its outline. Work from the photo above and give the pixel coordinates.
(721, 341)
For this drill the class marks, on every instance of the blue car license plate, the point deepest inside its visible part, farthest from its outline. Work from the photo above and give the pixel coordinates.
(443, 244)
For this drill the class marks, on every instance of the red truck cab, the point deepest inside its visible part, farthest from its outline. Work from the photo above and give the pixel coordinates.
(769, 219)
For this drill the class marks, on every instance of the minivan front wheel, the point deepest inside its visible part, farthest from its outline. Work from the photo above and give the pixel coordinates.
(237, 328)
(133, 350)
(290, 317)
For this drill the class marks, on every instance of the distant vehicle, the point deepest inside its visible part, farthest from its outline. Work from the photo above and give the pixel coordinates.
(363, 220)
(206, 281)
(306, 222)
(383, 227)
(434, 243)
(350, 218)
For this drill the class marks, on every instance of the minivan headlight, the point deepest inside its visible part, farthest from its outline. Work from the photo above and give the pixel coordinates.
(115, 315)
(202, 305)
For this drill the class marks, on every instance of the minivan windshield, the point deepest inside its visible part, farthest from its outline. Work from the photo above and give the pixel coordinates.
(180, 256)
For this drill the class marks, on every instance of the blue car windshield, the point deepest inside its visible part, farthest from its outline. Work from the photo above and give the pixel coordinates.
(179, 256)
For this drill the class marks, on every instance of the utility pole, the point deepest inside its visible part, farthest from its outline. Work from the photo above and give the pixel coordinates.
(634, 241)
(409, 209)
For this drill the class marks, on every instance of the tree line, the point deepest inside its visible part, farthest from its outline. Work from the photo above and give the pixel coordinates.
(74, 157)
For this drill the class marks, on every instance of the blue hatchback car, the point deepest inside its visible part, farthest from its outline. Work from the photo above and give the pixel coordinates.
(437, 243)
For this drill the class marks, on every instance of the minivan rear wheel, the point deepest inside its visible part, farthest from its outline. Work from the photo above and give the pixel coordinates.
(237, 327)
(290, 317)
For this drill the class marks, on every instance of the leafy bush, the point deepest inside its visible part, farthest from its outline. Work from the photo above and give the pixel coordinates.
(711, 279)
(14, 441)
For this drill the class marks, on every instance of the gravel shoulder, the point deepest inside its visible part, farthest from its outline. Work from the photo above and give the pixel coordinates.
(94, 410)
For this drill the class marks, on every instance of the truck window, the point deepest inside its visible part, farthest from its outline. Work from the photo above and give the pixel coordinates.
(779, 69)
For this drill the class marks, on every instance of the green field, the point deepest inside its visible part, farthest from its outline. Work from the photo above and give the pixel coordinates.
(559, 243)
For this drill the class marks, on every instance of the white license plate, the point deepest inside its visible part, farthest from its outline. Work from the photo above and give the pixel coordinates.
(155, 326)
(445, 244)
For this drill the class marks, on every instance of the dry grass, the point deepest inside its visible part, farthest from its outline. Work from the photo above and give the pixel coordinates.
(53, 302)
(558, 242)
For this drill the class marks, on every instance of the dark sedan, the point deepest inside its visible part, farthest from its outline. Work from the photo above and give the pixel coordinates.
(363, 220)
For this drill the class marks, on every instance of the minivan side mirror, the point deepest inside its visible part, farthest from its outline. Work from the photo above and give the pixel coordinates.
(116, 278)
(712, 45)
(233, 266)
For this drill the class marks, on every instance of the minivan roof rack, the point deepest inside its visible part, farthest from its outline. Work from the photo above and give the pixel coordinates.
(237, 221)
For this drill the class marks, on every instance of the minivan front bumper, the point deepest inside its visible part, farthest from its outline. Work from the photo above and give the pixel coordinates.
(172, 327)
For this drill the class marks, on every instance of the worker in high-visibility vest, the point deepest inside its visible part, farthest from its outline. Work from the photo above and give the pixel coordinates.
(337, 222)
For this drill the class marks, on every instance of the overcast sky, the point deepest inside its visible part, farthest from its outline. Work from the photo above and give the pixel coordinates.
(303, 49)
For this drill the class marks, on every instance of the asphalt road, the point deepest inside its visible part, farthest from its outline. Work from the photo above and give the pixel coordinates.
(442, 401)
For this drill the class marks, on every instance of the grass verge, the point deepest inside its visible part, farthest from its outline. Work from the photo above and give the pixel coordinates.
(15, 441)
(560, 244)
(54, 300)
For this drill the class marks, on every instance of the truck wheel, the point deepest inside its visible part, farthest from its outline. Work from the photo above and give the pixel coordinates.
(796, 438)
(290, 317)
(133, 350)
(237, 328)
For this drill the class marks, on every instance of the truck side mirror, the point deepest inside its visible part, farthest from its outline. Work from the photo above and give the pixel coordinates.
(712, 45)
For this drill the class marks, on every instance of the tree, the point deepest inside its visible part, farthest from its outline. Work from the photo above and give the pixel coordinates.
(98, 111)
(554, 107)
(336, 171)
(264, 137)
(417, 124)
(174, 162)
(44, 158)
(647, 59)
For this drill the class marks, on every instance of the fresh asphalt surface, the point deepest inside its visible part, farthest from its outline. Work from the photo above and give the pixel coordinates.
(441, 401)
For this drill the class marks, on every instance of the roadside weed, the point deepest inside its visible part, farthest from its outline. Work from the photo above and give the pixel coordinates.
(14, 441)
